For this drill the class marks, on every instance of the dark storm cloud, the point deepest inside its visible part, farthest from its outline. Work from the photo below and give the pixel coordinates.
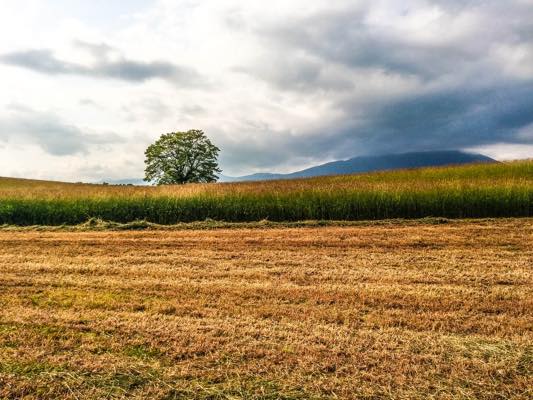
(297, 73)
(436, 121)
(462, 95)
(453, 119)
(44, 61)
(449, 119)
(48, 131)
(344, 37)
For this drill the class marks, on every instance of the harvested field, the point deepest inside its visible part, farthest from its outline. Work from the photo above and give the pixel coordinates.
(390, 311)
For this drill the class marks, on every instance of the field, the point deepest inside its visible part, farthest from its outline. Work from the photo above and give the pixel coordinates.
(389, 310)
(474, 191)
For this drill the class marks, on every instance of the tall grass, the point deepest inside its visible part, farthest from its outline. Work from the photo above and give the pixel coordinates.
(483, 190)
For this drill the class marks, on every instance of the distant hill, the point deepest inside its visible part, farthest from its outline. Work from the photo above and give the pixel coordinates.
(130, 181)
(373, 163)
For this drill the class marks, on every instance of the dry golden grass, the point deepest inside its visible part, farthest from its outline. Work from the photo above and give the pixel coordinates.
(403, 311)
(467, 191)
(503, 175)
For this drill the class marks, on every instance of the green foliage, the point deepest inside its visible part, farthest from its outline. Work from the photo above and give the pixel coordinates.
(182, 157)
(477, 191)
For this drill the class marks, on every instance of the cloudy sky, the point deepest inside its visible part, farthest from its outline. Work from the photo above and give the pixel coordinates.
(278, 85)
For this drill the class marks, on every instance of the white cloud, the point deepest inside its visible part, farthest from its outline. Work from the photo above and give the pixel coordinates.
(505, 151)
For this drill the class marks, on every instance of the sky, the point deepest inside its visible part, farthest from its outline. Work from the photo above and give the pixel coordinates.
(278, 86)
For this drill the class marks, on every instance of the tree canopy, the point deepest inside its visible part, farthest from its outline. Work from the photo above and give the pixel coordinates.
(182, 157)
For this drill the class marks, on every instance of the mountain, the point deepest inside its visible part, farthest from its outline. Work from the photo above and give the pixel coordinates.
(373, 163)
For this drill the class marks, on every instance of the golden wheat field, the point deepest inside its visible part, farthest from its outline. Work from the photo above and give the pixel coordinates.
(390, 310)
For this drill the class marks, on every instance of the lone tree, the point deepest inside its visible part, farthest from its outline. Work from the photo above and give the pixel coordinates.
(181, 157)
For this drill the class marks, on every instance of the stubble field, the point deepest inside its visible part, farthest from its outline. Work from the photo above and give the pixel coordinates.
(378, 310)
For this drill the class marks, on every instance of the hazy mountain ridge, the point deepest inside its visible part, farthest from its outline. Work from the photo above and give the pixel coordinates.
(372, 163)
